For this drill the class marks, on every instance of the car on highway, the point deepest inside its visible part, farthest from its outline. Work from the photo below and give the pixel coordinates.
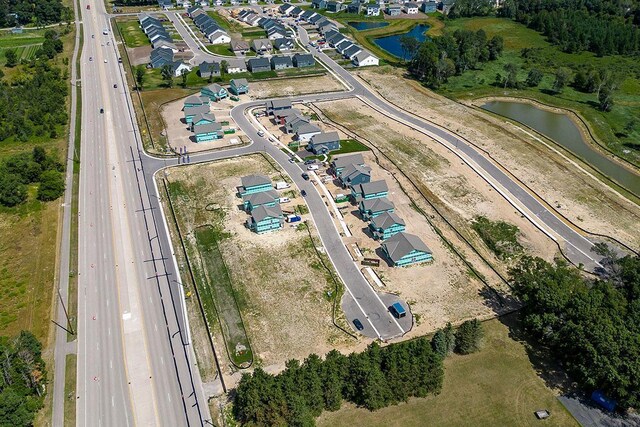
(358, 324)
(305, 176)
(101, 110)
(304, 193)
(115, 86)
(291, 160)
(91, 58)
(260, 133)
(105, 61)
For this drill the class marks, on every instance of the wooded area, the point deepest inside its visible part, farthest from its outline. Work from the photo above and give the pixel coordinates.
(375, 378)
(37, 12)
(441, 57)
(591, 326)
(22, 380)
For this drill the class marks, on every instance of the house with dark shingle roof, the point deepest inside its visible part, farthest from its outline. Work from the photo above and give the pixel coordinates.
(278, 105)
(208, 132)
(371, 208)
(306, 131)
(254, 184)
(208, 69)
(239, 86)
(283, 44)
(214, 92)
(161, 56)
(324, 142)
(386, 225)
(266, 218)
(355, 174)
(256, 65)
(239, 46)
(195, 101)
(406, 249)
(268, 198)
(191, 112)
(261, 45)
(369, 190)
(352, 51)
(281, 62)
(202, 119)
(302, 60)
(340, 162)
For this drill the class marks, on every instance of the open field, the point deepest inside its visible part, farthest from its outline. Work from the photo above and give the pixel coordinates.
(25, 44)
(498, 386)
(293, 87)
(455, 191)
(70, 390)
(578, 196)
(617, 130)
(277, 278)
(132, 33)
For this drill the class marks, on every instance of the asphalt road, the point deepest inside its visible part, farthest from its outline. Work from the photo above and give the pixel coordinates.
(135, 366)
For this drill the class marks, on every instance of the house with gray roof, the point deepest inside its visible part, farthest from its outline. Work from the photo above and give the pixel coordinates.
(208, 69)
(240, 46)
(340, 162)
(343, 46)
(281, 62)
(261, 45)
(301, 60)
(307, 14)
(296, 11)
(256, 65)
(268, 198)
(160, 57)
(405, 249)
(208, 132)
(373, 207)
(306, 131)
(354, 174)
(394, 9)
(324, 143)
(386, 225)
(239, 86)
(352, 51)
(369, 190)
(284, 44)
(191, 112)
(266, 218)
(278, 106)
(293, 122)
(254, 184)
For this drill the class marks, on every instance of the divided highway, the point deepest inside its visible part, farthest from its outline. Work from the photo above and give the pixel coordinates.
(135, 365)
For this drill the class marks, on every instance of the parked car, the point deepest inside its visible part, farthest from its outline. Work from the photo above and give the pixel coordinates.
(313, 167)
(304, 193)
(358, 324)
(101, 110)
(260, 133)
(115, 86)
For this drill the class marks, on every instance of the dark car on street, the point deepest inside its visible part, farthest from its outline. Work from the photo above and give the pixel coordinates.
(305, 176)
(358, 324)
(304, 193)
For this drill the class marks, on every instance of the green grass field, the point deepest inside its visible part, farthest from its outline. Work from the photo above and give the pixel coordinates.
(25, 44)
(498, 386)
(70, 390)
(618, 130)
(132, 34)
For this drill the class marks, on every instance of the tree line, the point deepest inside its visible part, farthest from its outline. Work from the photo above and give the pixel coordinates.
(33, 103)
(22, 379)
(37, 12)
(20, 170)
(373, 379)
(591, 326)
(435, 60)
(605, 27)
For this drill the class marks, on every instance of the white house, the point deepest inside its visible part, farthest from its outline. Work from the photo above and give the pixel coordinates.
(180, 67)
(411, 8)
(306, 131)
(219, 37)
(364, 58)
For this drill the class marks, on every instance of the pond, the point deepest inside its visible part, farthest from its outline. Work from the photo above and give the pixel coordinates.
(561, 129)
(362, 25)
(392, 43)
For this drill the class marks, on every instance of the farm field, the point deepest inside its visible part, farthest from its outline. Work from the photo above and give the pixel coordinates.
(497, 386)
(25, 44)
(276, 281)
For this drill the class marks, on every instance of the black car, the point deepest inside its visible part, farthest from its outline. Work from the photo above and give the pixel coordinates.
(358, 324)
(305, 176)
(101, 110)
(304, 193)
(115, 86)
(309, 162)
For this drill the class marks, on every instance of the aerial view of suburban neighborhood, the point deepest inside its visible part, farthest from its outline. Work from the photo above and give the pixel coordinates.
(320, 212)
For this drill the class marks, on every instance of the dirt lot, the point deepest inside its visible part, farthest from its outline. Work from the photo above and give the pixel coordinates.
(295, 86)
(179, 134)
(280, 287)
(439, 292)
(583, 199)
(458, 193)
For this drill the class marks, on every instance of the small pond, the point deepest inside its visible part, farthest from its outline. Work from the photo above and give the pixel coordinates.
(362, 25)
(563, 131)
(392, 43)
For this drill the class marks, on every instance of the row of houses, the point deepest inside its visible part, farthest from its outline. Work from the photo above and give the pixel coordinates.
(155, 31)
(208, 26)
(197, 109)
(274, 28)
(299, 60)
(294, 122)
(375, 208)
(348, 49)
(262, 202)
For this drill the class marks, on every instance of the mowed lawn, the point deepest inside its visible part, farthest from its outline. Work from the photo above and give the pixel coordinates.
(25, 44)
(133, 34)
(497, 386)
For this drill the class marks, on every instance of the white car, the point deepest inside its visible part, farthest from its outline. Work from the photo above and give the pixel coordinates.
(260, 133)
(105, 61)
(313, 167)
